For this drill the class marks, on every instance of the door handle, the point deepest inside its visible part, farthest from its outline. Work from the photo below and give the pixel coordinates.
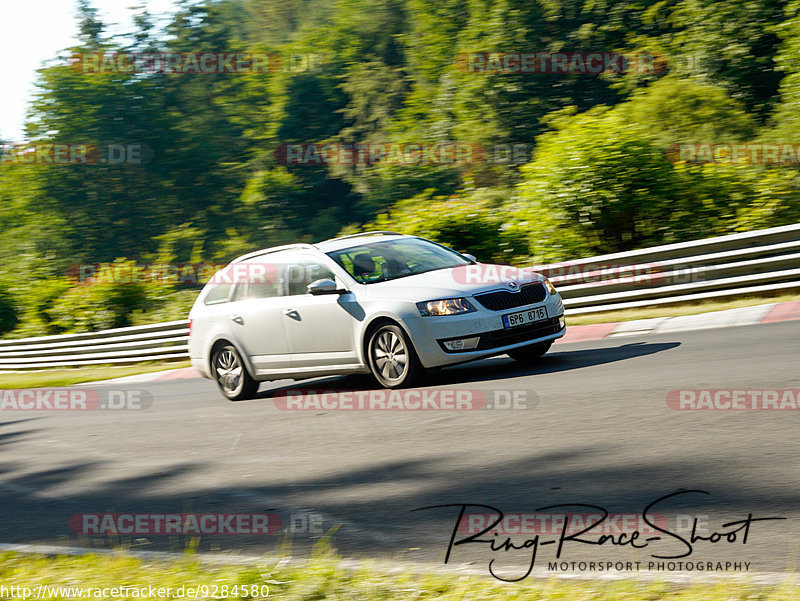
(237, 319)
(292, 313)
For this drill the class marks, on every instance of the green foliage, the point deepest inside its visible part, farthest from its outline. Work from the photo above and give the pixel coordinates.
(599, 176)
(39, 302)
(601, 182)
(171, 306)
(728, 198)
(91, 307)
(732, 43)
(8, 312)
(110, 299)
(786, 122)
(677, 111)
(477, 224)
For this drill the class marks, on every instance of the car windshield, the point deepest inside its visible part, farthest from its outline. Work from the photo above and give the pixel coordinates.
(393, 259)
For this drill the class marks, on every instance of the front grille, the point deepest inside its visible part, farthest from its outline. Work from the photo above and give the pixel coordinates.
(504, 337)
(503, 299)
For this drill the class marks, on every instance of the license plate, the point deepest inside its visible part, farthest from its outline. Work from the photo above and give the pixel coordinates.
(521, 318)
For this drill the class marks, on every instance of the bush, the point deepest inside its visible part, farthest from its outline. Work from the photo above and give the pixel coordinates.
(478, 224)
(597, 184)
(42, 295)
(103, 303)
(89, 307)
(602, 183)
(8, 312)
(172, 306)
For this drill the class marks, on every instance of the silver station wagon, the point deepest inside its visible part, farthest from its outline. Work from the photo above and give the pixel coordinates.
(379, 302)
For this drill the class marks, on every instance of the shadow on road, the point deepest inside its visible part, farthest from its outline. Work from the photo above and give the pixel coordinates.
(487, 370)
(369, 507)
(364, 478)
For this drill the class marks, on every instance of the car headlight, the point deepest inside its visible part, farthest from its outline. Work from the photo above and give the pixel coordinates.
(549, 285)
(447, 306)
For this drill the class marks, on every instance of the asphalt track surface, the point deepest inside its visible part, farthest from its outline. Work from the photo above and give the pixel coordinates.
(601, 433)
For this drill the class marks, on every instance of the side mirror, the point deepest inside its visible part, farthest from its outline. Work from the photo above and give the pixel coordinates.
(323, 286)
(470, 257)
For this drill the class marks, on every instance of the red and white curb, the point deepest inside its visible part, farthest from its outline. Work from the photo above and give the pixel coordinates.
(743, 316)
(184, 373)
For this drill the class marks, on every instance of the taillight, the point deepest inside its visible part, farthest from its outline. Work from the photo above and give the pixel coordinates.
(190, 327)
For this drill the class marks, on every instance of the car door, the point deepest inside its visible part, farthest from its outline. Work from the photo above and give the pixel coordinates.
(256, 319)
(320, 329)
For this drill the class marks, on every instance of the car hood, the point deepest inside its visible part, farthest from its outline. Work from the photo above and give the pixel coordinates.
(456, 281)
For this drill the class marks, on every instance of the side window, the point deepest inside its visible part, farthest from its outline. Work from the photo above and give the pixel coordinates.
(304, 271)
(268, 281)
(269, 290)
(217, 294)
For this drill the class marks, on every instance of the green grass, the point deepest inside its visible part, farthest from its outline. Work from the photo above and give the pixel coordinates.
(678, 309)
(324, 577)
(67, 377)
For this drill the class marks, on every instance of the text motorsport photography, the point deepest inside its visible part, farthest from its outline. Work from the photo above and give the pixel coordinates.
(513, 541)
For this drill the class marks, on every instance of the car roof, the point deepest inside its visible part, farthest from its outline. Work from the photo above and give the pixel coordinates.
(328, 245)
(357, 239)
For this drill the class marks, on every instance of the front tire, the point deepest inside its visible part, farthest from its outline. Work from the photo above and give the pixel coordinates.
(529, 354)
(231, 375)
(392, 358)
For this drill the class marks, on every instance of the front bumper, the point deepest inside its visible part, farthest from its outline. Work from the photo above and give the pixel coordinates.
(495, 339)
(430, 333)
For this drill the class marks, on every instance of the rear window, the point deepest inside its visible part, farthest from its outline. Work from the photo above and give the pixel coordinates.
(217, 294)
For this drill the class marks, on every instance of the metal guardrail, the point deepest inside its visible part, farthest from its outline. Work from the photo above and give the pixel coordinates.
(163, 341)
(738, 264)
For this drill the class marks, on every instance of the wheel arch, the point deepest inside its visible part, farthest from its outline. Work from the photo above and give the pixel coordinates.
(374, 324)
(222, 341)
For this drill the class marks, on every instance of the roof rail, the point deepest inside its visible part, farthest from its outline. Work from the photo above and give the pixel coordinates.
(267, 251)
(360, 234)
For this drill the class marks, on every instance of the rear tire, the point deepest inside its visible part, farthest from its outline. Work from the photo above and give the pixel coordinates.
(231, 375)
(392, 358)
(529, 354)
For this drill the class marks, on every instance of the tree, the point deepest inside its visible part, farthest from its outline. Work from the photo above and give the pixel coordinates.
(731, 43)
(477, 223)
